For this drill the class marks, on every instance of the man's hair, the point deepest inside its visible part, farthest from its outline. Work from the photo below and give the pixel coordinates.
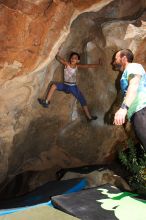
(72, 54)
(128, 53)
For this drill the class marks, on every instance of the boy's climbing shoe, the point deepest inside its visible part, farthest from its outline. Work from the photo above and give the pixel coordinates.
(92, 118)
(43, 103)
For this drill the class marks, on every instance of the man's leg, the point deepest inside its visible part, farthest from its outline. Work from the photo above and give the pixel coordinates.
(139, 124)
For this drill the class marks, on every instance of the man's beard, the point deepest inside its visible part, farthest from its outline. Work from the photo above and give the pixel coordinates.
(117, 67)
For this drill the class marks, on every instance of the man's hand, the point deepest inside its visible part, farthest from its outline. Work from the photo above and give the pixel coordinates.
(120, 115)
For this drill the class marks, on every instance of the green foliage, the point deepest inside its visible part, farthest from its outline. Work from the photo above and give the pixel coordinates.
(136, 165)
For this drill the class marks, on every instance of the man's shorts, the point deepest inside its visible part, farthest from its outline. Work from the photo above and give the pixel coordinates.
(74, 90)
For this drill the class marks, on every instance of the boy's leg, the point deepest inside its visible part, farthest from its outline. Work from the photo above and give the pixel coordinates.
(79, 96)
(58, 87)
(86, 110)
(45, 102)
(51, 91)
(88, 115)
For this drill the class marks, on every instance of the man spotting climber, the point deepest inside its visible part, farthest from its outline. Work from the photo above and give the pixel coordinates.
(133, 85)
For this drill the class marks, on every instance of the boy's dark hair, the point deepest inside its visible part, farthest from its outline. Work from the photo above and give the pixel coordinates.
(72, 54)
(128, 53)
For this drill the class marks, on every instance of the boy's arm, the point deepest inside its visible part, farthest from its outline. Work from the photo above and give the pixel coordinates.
(61, 60)
(90, 65)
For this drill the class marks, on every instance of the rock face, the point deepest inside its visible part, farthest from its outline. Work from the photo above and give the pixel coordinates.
(31, 32)
(99, 178)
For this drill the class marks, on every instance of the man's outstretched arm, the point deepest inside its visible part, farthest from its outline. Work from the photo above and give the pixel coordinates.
(90, 65)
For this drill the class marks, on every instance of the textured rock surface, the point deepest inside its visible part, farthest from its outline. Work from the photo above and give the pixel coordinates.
(99, 178)
(45, 140)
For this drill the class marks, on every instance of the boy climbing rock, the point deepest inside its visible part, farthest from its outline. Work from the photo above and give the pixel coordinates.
(69, 85)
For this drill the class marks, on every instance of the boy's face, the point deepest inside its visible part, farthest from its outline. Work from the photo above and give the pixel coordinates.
(74, 59)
